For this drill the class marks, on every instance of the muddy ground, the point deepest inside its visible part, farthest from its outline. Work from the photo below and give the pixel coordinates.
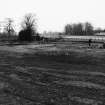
(52, 74)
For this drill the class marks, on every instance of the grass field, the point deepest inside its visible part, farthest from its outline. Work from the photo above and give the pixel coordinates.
(61, 73)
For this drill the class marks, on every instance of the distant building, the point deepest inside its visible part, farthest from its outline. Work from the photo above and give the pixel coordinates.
(100, 33)
(51, 34)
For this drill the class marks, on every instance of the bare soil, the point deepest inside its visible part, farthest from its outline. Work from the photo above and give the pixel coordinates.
(52, 74)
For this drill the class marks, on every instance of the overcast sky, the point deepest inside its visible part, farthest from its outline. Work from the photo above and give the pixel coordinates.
(52, 15)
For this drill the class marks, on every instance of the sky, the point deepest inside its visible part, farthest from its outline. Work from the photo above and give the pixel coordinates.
(53, 15)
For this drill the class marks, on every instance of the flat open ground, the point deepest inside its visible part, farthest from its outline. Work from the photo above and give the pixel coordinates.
(62, 73)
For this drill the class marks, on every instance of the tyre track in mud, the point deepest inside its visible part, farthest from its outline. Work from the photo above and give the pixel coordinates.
(53, 79)
(39, 84)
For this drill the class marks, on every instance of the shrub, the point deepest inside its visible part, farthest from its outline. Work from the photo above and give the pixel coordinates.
(26, 35)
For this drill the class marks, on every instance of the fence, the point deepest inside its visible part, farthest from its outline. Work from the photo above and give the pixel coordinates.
(85, 38)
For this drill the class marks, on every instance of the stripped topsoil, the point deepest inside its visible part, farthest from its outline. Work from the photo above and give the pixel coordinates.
(52, 74)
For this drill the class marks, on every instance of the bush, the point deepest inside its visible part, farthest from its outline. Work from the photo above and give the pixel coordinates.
(26, 35)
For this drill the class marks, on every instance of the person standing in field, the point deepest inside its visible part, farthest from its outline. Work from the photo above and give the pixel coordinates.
(90, 41)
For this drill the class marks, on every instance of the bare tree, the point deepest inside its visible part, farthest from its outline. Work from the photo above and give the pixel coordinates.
(9, 27)
(28, 27)
(89, 29)
(77, 29)
(29, 22)
(74, 29)
(68, 29)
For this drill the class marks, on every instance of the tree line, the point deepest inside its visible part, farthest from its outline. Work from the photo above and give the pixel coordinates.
(79, 29)
(29, 32)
